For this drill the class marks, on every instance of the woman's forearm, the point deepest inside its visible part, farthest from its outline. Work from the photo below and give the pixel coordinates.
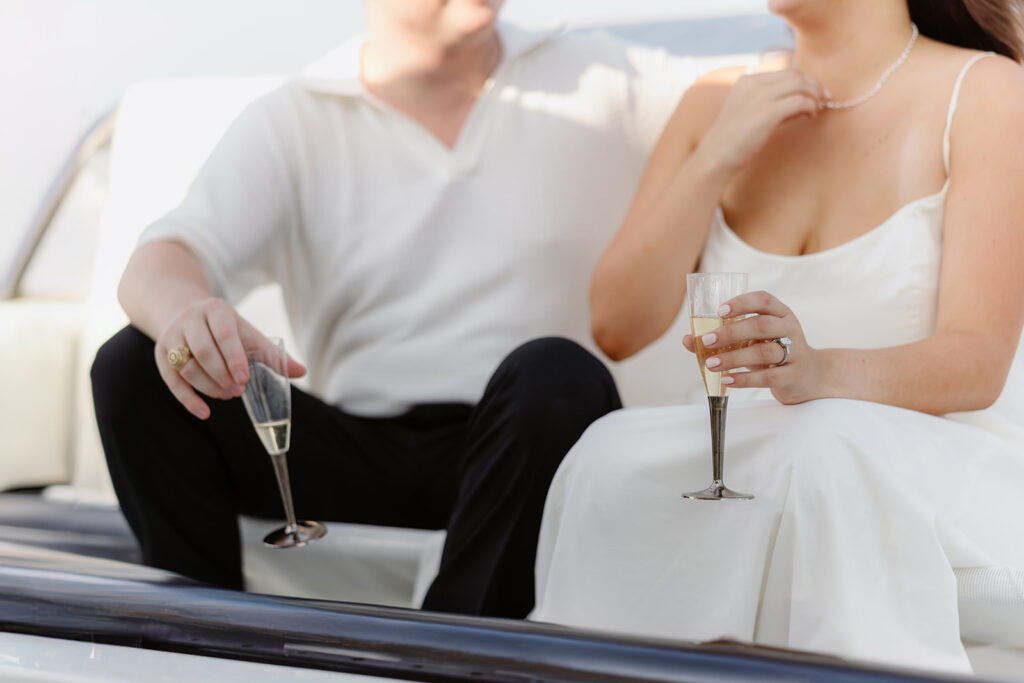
(639, 284)
(949, 372)
(160, 280)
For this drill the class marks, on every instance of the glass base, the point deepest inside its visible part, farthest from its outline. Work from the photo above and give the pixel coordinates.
(303, 533)
(718, 492)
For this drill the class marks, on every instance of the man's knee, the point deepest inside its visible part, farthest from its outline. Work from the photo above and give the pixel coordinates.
(124, 361)
(554, 379)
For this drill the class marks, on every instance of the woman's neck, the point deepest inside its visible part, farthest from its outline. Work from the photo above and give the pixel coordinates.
(847, 51)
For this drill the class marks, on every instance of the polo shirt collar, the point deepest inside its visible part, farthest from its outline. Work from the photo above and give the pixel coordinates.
(337, 72)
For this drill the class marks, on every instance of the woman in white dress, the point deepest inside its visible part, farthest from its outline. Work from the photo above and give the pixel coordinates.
(874, 190)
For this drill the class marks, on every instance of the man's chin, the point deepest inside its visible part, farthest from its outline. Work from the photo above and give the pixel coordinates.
(477, 17)
(472, 30)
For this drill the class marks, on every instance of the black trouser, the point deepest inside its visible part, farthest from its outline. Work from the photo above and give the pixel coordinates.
(481, 472)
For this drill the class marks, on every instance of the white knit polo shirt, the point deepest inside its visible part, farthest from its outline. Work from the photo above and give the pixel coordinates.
(409, 270)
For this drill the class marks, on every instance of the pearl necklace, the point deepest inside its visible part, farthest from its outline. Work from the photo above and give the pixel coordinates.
(846, 104)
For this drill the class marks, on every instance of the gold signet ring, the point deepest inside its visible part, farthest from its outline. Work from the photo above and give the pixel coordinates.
(178, 356)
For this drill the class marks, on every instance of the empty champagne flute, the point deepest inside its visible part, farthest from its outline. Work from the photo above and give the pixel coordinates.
(706, 292)
(268, 401)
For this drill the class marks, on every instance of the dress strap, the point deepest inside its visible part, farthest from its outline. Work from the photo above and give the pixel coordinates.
(952, 104)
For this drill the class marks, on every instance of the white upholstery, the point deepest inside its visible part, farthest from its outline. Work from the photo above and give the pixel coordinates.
(38, 344)
(354, 563)
(991, 603)
(996, 662)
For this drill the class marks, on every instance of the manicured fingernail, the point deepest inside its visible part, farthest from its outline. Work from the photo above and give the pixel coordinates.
(709, 338)
(240, 377)
(202, 413)
(724, 309)
(727, 380)
(713, 362)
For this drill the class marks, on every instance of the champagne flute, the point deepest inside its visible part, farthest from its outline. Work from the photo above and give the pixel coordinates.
(706, 293)
(268, 401)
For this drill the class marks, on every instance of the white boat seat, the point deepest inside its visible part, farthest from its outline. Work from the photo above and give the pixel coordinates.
(164, 131)
(353, 563)
(991, 601)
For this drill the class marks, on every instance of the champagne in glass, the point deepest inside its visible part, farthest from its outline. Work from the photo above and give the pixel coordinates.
(706, 293)
(701, 325)
(268, 401)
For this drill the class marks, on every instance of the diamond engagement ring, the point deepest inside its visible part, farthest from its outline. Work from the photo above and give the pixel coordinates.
(180, 355)
(785, 343)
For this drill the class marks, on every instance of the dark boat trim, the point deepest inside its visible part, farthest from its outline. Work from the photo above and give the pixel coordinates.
(122, 604)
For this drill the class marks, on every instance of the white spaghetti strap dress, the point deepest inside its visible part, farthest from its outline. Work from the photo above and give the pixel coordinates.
(861, 511)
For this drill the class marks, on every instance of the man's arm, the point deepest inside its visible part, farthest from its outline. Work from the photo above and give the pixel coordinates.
(166, 295)
(161, 279)
(222, 240)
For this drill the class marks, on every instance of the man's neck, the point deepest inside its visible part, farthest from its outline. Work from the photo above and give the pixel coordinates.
(417, 64)
(435, 84)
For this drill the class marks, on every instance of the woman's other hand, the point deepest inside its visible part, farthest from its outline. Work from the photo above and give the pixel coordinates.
(218, 339)
(756, 105)
(750, 343)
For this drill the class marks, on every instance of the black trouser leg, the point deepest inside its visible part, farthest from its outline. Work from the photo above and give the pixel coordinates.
(182, 481)
(537, 404)
(165, 465)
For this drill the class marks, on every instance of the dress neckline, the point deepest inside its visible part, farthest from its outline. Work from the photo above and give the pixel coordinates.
(839, 248)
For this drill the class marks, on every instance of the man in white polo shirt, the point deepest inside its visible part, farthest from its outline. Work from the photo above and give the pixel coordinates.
(431, 198)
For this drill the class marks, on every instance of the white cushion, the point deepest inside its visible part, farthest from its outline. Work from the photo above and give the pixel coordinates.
(38, 349)
(991, 605)
(996, 662)
(353, 562)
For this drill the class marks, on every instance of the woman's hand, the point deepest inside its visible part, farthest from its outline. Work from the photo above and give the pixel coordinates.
(750, 343)
(218, 338)
(756, 105)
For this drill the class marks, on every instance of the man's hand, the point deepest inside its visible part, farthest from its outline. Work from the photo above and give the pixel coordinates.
(218, 338)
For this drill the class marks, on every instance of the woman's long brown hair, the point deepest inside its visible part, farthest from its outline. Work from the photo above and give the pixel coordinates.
(990, 25)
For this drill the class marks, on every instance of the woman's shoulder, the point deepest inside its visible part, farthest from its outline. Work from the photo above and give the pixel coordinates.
(989, 75)
(714, 85)
(994, 76)
(991, 97)
(702, 101)
(721, 79)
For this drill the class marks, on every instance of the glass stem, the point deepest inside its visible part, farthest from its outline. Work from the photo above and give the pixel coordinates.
(717, 404)
(281, 470)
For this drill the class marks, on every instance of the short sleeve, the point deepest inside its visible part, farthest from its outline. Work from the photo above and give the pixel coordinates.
(241, 206)
(658, 83)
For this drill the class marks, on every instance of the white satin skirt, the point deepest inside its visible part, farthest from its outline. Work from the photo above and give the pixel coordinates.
(861, 512)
